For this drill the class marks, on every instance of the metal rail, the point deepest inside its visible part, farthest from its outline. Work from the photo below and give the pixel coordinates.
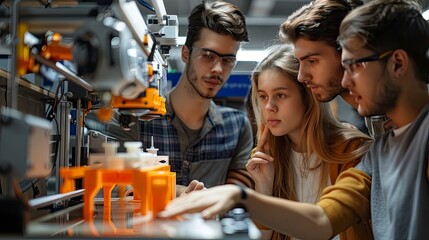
(48, 200)
(71, 76)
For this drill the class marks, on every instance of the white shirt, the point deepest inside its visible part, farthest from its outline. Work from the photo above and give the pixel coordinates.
(307, 183)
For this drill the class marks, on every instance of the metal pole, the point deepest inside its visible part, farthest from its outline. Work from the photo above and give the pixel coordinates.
(6, 180)
(64, 120)
(12, 84)
(79, 130)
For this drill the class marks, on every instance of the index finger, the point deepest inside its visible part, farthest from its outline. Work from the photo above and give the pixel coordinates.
(263, 139)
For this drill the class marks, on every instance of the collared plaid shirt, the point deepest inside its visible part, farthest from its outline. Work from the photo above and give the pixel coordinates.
(224, 144)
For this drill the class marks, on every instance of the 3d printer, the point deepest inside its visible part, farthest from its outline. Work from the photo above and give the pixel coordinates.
(113, 60)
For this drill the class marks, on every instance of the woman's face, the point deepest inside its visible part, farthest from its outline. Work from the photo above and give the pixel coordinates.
(281, 104)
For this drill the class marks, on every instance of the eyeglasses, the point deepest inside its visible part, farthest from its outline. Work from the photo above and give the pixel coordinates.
(210, 57)
(354, 66)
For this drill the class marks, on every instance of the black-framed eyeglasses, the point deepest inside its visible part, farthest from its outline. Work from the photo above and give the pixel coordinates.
(211, 57)
(354, 66)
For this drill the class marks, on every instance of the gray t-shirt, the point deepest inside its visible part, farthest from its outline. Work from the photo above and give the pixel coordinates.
(398, 165)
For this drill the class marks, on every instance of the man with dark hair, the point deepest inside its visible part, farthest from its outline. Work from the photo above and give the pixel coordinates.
(205, 142)
(313, 29)
(386, 72)
(384, 44)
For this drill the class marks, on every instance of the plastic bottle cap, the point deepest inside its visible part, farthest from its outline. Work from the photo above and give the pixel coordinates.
(110, 148)
(133, 147)
(154, 151)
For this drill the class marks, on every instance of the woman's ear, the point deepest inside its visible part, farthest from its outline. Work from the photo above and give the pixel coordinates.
(185, 54)
(400, 63)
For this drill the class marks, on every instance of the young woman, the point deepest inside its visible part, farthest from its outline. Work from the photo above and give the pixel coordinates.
(301, 147)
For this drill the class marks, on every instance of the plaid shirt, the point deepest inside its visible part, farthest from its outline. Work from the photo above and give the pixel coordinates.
(224, 144)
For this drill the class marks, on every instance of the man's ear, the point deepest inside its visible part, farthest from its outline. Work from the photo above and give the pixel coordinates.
(400, 63)
(185, 54)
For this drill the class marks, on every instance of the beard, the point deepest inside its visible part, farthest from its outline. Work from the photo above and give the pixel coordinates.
(193, 80)
(384, 100)
(334, 87)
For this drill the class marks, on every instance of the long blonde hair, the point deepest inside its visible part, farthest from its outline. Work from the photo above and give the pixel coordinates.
(322, 134)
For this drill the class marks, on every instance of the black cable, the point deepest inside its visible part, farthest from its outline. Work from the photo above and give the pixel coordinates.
(33, 188)
(57, 99)
(56, 141)
(53, 112)
(152, 51)
(57, 144)
(50, 114)
(48, 110)
(50, 106)
(146, 5)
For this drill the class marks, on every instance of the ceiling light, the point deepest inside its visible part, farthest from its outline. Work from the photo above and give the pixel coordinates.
(251, 55)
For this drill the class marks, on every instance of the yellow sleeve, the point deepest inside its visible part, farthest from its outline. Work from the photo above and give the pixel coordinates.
(347, 201)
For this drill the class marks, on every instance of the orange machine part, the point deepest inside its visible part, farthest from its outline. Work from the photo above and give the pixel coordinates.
(152, 101)
(105, 114)
(55, 50)
(23, 52)
(156, 185)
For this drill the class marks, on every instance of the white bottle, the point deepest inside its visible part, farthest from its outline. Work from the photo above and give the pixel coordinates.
(152, 148)
(156, 159)
(132, 157)
(113, 161)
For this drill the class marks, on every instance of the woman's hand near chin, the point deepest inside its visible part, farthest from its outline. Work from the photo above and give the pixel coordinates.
(261, 165)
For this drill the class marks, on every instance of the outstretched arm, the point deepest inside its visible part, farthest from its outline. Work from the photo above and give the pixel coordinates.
(347, 201)
(289, 217)
(284, 216)
(341, 205)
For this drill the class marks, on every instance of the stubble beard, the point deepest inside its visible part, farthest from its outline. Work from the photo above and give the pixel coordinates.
(385, 99)
(193, 81)
(334, 87)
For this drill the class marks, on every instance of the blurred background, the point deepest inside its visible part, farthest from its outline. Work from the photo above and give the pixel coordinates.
(263, 19)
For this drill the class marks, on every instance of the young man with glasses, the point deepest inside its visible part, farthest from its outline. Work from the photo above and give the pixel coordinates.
(205, 142)
(313, 29)
(384, 46)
